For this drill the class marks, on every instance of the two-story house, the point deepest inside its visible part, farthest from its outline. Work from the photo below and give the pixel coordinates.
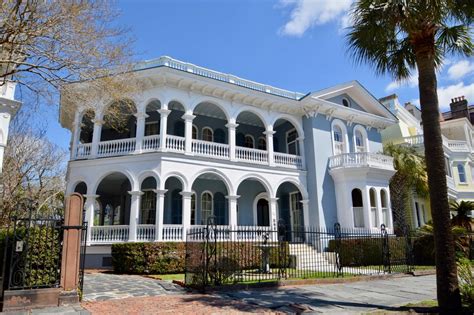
(201, 143)
(458, 135)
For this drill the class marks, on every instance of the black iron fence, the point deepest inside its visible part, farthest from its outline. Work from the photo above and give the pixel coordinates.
(218, 255)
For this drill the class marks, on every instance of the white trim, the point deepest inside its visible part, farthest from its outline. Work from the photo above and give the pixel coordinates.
(349, 104)
(262, 195)
(202, 133)
(340, 124)
(365, 138)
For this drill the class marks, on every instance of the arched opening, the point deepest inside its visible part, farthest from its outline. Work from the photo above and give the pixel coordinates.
(357, 207)
(153, 119)
(250, 191)
(291, 210)
(81, 188)
(286, 137)
(263, 212)
(250, 127)
(114, 200)
(148, 201)
(373, 207)
(211, 191)
(119, 121)
(384, 202)
(359, 141)
(211, 120)
(175, 125)
(262, 143)
(87, 126)
(173, 204)
(338, 135)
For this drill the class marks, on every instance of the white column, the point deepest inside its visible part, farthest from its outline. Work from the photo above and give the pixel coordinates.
(89, 207)
(378, 202)
(273, 211)
(163, 127)
(305, 203)
(75, 135)
(141, 117)
(269, 135)
(233, 220)
(96, 137)
(302, 151)
(231, 127)
(389, 206)
(188, 133)
(160, 208)
(134, 212)
(186, 218)
(366, 204)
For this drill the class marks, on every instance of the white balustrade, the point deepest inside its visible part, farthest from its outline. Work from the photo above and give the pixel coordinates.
(146, 232)
(172, 232)
(83, 150)
(251, 155)
(151, 143)
(109, 234)
(285, 159)
(252, 233)
(211, 149)
(414, 140)
(175, 143)
(361, 159)
(116, 147)
(457, 146)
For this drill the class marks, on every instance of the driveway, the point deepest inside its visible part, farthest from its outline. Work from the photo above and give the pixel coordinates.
(123, 294)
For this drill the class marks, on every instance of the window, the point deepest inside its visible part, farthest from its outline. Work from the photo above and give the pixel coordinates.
(338, 140)
(194, 132)
(296, 209)
(384, 201)
(462, 173)
(193, 209)
(262, 143)
(417, 212)
(346, 102)
(373, 208)
(249, 142)
(148, 206)
(207, 134)
(447, 166)
(206, 207)
(357, 207)
(151, 128)
(292, 142)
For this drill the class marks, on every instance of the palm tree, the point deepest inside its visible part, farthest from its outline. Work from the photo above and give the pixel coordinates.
(462, 209)
(410, 176)
(396, 37)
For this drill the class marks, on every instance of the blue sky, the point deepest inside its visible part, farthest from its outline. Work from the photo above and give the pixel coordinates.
(292, 44)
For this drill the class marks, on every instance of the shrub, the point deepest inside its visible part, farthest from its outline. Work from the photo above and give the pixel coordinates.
(466, 283)
(144, 258)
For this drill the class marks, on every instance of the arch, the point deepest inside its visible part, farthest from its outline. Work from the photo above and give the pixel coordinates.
(385, 205)
(259, 197)
(203, 102)
(81, 188)
(296, 124)
(222, 176)
(176, 104)
(262, 143)
(207, 134)
(207, 206)
(125, 172)
(384, 198)
(114, 199)
(86, 125)
(249, 141)
(374, 218)
(145, 174)
(259, 178)
(365, 139)
(357, 207)
(336, 123)
(346, 102)
(195, 132)
(295, 182)
(260, 117)
(288, 133)
(156, 97)
(148, 183)
(179, 176)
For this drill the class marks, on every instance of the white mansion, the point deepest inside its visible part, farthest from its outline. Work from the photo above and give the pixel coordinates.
(202, 143)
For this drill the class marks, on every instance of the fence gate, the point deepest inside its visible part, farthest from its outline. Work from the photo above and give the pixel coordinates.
(32, 249)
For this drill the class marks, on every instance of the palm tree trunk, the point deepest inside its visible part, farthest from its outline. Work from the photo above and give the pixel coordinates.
(446, 273)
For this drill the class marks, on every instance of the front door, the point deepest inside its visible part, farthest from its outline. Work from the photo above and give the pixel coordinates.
(263, 215)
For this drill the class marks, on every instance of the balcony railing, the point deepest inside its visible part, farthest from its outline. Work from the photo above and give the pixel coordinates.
(251, 155)
(172, 232)
(361, 159)
(210, 149)
(151, 143)
(453, 145)
(284, 159)
(146, 232)
(116, 147)
(83, 150)
(175, 143)
(109, 234)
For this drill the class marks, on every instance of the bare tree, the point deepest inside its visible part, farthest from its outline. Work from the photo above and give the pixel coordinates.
(47, 45)
(34, 168)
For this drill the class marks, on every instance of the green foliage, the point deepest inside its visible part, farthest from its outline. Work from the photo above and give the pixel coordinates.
(466, 283)
(462, 209)
(148, 258)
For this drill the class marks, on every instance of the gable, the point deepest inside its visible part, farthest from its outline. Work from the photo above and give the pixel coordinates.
(339, 98)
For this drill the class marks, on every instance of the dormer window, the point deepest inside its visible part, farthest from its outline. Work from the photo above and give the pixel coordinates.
(346, 102)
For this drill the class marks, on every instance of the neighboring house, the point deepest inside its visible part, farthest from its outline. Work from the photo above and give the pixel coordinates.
(203, 143)
(8, 108)
(458, 135)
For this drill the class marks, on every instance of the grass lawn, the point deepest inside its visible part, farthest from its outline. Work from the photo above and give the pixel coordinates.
(169, 277)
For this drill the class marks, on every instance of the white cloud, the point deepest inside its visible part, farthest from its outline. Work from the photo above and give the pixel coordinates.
(446, 93)
(308, 13)
(410, 82)
(460, 69)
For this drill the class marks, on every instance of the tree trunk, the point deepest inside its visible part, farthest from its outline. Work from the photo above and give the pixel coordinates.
(446, 272)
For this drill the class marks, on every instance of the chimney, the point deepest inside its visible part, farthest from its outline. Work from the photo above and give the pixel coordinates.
(459, 107)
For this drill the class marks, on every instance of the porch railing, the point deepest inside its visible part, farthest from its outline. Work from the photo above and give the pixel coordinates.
(251, 155)
(116, 147)
(146, 232)
(151, 143)
(284, 159)
(175, 143)
(109, 233)
(83, 150)
(172, 232)
(211, 149)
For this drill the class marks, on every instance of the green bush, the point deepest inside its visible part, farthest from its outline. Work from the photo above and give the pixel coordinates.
(466, 283)
(148, 258)
(423, 250)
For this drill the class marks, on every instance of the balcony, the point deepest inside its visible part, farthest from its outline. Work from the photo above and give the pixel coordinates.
(452, 145)
(361, 160)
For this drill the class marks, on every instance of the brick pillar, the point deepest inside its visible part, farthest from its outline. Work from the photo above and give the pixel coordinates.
(71, 254)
